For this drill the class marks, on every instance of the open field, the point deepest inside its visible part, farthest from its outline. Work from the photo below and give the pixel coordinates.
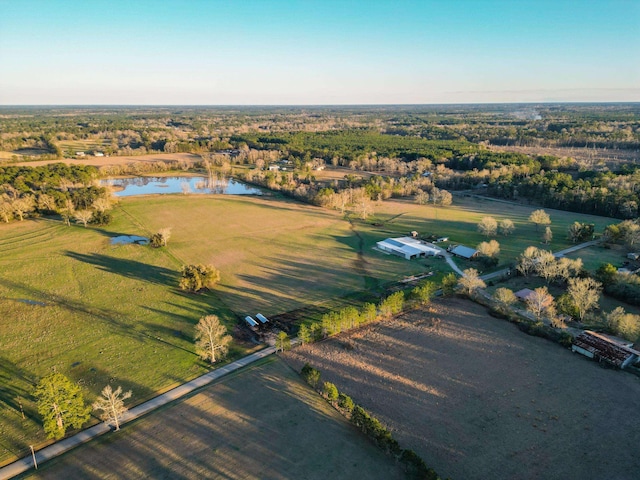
(261, 423)
(114, 312)
(478, 399)
(113, 160)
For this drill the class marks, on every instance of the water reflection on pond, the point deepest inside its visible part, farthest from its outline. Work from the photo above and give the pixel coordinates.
(157, 185)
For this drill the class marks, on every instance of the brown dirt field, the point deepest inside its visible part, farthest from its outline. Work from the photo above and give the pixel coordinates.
(478, 399)
(101, 161)
(262, 423)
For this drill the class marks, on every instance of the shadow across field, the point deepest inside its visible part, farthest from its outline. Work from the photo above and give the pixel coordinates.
(127, 268)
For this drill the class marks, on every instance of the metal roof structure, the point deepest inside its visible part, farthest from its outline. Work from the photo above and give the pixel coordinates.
(599, 347)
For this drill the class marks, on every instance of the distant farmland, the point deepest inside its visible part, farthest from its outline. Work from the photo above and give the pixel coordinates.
(478, 399)
(259, 423)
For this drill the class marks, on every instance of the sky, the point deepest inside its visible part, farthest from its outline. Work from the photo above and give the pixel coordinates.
(285, 52)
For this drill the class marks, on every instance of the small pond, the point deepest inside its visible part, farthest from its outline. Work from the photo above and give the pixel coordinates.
(130, 186)
(126, 239)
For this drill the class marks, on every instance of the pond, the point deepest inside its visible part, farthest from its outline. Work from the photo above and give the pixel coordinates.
(130, 186)
(126, 239)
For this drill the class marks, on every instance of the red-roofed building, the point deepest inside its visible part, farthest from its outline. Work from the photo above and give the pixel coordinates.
(604, 349)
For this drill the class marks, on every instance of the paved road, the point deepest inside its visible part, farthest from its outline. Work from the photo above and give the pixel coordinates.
(58, 448)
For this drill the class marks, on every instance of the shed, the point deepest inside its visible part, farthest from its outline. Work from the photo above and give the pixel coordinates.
(464, 252)
(262, 318)
(250, 321)
(599, 347)
(633, 256)
(524, 294)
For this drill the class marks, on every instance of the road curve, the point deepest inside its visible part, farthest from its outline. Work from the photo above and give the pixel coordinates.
(58, 448)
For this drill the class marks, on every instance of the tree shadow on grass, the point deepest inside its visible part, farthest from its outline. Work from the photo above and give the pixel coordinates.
(128, 268)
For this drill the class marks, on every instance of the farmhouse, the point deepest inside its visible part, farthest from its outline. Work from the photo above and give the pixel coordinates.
(407, 247)
(524, 294)
(464, 252)
(604, 349)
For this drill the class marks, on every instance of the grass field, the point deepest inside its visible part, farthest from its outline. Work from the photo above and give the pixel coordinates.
(114, 312)
(261, 423)
(478, 399)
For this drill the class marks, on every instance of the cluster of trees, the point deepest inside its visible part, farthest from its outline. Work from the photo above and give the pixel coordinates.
(68, 191)
(623, 286)
(413, 465)
(61, 404)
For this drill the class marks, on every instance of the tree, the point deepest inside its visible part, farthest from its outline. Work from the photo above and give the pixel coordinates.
(441, 197)
(505, 297)
(470, 281)
(506, 227)
(392, 305)
(539, 217)
(23, 205)
(423, 292)
(422, 197)
(345, 402)
(6, 210)
(488, 226)
(211, 338)
(161, 238)
(198, 277)
(489, 249)
(83, 216)
(546, 265)
(540, 303)
(448, 283)
(578, 232)
(624, 324)
(61, 404)
(330, 391)
(283, 342)
(547, 236)
(304, 334)
(112, 405)
(67, 212)
(585, 293)
(527, 260)
(310, 374)
(567, 268)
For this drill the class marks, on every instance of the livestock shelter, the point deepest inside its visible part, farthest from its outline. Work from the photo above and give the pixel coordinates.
(464, 252)
(407, 247)
(604, 349)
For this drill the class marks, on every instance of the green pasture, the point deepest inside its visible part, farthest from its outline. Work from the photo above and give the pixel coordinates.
(83, 145)
(459, 222)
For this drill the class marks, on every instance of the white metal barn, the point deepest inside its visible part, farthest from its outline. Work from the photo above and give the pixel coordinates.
(407, 247)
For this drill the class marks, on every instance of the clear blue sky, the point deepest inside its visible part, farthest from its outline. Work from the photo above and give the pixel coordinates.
(318, 52)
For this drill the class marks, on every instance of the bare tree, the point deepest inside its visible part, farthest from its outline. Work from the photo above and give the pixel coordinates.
(540, 303)
(527, 260)
(67, 212)
(83, 216)
(489, 249)
(585, 293)
(6, 211)
(101, 205)
(422, 197)
(112, 405)
(539, 217)
(547, 236)
(567, 268)
(46, 202)
(22, 206)
(506, 227)
(488, 226)
(211, 338)
(546, 265)
(470, 281)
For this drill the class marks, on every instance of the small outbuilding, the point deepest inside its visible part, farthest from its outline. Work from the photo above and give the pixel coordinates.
(464, 252)
(604, 349)
(407, 247)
